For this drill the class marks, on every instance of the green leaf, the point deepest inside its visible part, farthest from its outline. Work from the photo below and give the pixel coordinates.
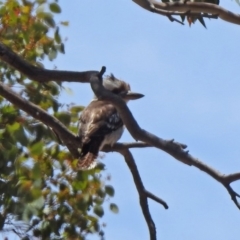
(36, 171)
(13, 127)
(68, 90)
(109, 190)
(39, 27)
(38, 203)
(54, 150)
(48, 19)
(65, 23)
(8, 114)
(79, 185)
(98, 210)
(41, 1)
(61, 48)
(101, 193)
(64, 117)
(114, 208)
(28, 212)
(37, 148)
(57, 36)
(21, 136)
(54, 7)
(98, 200)
(77, 109)
(52, 54)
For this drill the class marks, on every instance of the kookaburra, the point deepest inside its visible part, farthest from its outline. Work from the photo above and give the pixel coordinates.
(100, 123)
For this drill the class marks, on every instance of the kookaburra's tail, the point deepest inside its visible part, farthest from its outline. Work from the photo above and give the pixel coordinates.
(89, 154)
(87, 162)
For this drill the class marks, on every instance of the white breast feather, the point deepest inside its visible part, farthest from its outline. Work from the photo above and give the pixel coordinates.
(112, 137)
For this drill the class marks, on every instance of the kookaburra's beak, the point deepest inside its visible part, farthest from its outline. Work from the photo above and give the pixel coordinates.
(132, 95)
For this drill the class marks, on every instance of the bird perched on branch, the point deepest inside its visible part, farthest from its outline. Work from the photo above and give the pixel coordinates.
(192, 17)
(101, 124)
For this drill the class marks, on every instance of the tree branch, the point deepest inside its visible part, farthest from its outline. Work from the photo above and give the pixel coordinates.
(38, 113)
(141, 191)
(232, 177)
(122, 148)
(224, 179)
(183, 7)
(156, 199)
(175, 149)
(39, 74)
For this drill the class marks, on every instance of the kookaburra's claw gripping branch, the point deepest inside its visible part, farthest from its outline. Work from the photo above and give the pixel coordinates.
(175, 149)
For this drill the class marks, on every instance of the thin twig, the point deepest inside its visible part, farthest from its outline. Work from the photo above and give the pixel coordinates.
(156, 199)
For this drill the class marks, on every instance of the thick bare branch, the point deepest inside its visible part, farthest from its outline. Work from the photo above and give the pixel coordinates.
(39, 74)
(120, 146)
(232, 177)
(183, 7)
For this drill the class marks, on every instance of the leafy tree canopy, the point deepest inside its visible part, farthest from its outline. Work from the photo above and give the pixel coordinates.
(41, 194)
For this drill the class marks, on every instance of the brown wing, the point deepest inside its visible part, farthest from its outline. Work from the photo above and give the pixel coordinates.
(97, 120)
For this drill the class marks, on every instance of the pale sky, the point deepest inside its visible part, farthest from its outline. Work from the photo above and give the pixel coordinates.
(190, 78)
(191, 81)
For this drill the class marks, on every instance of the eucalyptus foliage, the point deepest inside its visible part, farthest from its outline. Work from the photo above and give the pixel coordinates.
(41, 193)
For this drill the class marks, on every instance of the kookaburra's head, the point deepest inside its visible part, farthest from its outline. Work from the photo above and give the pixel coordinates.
(120, 88)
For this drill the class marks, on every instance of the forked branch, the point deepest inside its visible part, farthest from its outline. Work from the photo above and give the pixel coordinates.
(224, 179)
(182, 8)
(142, 192)
(36, 112)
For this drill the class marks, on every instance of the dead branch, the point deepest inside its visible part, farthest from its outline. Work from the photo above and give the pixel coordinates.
(181, 8)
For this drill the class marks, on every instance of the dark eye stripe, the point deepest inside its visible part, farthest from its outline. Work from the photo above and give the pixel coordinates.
(118, 91)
